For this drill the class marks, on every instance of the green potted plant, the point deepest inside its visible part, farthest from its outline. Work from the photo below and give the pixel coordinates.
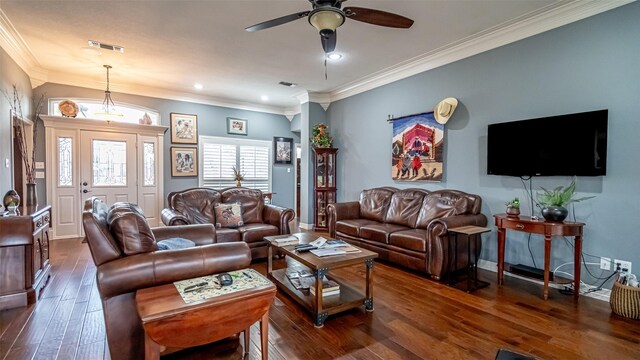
(554, 201)
(513, 207)
(320, 137)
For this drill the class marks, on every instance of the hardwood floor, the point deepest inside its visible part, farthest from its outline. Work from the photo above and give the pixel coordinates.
(414, 318)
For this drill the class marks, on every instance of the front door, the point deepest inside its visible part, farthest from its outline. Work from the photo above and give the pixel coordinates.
(108, 166)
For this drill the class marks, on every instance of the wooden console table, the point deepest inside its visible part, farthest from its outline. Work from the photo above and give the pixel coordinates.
(548, 229)
(24, 256)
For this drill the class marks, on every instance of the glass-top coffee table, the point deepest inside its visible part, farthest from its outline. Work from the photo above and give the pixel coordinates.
(321, 307)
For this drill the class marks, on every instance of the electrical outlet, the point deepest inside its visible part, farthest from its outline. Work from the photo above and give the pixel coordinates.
(624, 265)
(605, 263)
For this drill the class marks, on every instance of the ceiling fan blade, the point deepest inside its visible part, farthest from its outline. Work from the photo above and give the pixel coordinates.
(277, 21)
(329, 42)
(378, 17)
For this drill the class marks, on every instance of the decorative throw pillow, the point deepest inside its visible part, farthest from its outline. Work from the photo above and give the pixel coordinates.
(175, 244)
(229, 215)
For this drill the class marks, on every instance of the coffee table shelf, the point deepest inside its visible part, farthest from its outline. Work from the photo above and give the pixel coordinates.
(321, 307)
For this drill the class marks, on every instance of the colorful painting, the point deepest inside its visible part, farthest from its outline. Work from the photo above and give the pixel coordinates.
(417, 148)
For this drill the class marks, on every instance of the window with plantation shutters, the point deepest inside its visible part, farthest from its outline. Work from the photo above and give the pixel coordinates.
(220, 155)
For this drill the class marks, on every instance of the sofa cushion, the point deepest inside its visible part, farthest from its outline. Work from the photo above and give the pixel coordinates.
(228, 215)
(352, 227)
(256, 232)
(374, 203)
(224, 235)
(130, 229)
(252, 202)
(380, 232)
(413, 239)
(441, 204)
(405, 207)
(197, 205)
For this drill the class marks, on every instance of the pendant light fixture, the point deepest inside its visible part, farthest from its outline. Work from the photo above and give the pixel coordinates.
(108, 107)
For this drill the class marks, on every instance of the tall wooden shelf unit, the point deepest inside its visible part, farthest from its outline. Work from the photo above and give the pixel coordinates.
(324, 184)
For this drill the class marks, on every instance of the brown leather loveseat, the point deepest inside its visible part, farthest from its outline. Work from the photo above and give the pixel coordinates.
(197, 206)
(408, 227)
(125, 253)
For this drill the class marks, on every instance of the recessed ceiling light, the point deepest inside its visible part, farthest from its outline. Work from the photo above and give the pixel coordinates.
(264, 97)
(198, 86)
(334, 56)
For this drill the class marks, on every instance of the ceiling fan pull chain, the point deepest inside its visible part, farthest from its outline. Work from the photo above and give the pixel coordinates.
(325, 66)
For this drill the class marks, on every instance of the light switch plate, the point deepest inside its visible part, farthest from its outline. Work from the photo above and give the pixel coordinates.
(40, 165)
(39, 174)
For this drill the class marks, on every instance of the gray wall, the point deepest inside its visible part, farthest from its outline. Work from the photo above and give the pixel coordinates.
(589, 65)
(211, 121)
(10, 74)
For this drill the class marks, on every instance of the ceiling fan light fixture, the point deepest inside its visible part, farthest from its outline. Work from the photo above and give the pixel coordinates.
(326, 19)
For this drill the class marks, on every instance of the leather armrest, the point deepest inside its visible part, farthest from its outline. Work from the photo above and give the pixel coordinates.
(437, 239)
(171, 217)
(131, 273)
(201, 234)
(342, 211)
(278, 216)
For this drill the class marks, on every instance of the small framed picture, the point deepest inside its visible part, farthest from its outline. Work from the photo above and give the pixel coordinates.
(184, 161)
(184, 128)
(282, 151)
(237, 126)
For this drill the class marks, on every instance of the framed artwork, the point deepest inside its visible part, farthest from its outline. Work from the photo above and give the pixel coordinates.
(282, 150)
(237, 126)
(184, 129)
(417, 148)
(184, 161)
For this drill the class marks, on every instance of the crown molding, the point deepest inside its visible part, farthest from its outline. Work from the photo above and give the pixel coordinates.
(291, 112)
(324, 99)
(547, 18)
(15, 46)
(81, 81)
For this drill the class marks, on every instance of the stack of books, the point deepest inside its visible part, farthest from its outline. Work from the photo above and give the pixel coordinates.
(329, 288)
(301, 279)
(287, 240)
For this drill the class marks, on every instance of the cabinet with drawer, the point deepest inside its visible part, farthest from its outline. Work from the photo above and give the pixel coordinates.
(24, 256)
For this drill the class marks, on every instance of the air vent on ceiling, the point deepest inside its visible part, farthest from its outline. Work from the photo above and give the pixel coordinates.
(288, 84)
(100, 45)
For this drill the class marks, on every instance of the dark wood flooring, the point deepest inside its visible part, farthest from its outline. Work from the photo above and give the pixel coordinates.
(414, 318)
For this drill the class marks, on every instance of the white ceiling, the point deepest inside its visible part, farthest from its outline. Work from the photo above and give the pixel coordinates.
(170, 45)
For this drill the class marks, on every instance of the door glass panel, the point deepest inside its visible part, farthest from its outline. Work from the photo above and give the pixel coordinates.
(149, 164)
(109, 163)
(65, 162)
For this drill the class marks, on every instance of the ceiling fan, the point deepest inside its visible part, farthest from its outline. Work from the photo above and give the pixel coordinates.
(327, 16)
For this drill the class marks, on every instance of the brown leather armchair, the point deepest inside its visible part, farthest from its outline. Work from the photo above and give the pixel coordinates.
(126, 259)
(196, 206)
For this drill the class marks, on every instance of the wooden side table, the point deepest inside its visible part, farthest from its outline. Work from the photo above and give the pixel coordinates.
(548, 229)
(472, 233)
(169, 322)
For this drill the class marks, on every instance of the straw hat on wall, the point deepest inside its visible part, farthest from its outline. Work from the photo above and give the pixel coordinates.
(445, 108)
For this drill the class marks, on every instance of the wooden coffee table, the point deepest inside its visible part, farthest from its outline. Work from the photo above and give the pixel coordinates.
(169, 322)
(319, 307)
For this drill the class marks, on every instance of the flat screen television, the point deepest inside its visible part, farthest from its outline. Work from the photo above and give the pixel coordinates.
(574, 144)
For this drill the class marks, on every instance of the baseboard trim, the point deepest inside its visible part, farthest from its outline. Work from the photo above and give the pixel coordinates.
(602, 295)
(305, 226)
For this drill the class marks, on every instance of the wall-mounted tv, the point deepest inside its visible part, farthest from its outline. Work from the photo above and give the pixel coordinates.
(574, 144)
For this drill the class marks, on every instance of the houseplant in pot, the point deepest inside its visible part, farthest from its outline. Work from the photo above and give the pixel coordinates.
(513, 207)
(554, 201)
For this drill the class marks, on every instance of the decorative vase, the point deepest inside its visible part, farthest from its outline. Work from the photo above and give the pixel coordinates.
(513, 212)
(11, 197)
(32, 195)
(238, 184)
(12, 210)
(554, 213)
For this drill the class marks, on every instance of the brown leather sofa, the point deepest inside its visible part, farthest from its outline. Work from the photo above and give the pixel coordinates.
(196, 206)
(409, 227)
(124, 252)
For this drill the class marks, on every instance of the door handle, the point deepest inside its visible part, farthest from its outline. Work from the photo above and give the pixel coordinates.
(85, 191)
(84, 183)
